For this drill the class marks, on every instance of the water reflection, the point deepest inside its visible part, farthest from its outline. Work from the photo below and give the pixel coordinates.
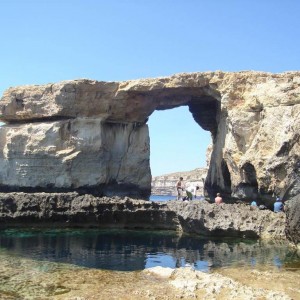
(129, 250)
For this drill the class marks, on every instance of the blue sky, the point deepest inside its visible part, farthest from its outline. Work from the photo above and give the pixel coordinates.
(46, 41)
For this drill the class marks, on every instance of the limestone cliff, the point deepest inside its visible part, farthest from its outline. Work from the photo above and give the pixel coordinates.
(80, 154)
(84, 134)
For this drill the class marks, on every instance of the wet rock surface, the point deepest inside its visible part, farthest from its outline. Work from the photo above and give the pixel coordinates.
(199, 217)
(22, 278)
(72, 209)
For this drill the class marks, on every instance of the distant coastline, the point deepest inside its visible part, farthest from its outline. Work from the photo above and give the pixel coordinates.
(165, 184)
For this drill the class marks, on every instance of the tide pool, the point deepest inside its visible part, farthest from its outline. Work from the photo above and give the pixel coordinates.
(131, 250)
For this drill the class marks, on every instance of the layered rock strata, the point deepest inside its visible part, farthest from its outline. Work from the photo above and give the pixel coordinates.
(81, 154)
(84, 134)
(199, 217)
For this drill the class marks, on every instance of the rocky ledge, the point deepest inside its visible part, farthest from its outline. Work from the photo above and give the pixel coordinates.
(198, 217)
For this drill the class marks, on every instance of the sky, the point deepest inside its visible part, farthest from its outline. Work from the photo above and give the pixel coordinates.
(45, 41)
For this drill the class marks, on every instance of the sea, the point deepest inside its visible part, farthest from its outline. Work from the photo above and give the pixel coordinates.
(169, 197)
(162, 197)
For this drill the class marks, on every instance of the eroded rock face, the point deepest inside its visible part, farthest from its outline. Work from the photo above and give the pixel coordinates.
(292, 209)
(201, 217)
(79, 154)
(253, 118)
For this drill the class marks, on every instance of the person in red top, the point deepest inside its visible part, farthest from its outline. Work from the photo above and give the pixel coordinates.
(218, 199)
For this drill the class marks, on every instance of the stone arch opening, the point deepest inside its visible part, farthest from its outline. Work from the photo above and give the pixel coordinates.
(205, 106)
(178, 145)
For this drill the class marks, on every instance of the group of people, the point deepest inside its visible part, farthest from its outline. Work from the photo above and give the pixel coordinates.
(277, 207)
(191, 191)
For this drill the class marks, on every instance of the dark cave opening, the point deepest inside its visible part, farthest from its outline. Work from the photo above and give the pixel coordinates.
(226, 177)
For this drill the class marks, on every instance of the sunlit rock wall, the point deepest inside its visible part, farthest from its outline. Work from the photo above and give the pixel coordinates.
(79, 154)
(253, 118)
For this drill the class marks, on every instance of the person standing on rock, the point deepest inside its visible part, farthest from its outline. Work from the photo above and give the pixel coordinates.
(179, 188)
(218, 199)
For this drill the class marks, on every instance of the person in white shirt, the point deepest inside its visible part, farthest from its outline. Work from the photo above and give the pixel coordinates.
(191, 190)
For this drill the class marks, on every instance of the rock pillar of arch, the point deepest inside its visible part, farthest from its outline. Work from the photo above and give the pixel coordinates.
(93, 136)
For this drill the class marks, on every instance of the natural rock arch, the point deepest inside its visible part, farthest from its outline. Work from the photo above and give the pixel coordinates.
(92, 136)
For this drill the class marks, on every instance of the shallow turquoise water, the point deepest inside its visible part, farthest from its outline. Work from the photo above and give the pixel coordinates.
(128, 250)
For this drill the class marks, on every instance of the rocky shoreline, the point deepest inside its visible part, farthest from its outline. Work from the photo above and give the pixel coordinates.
(53, 281)
(197, 217)
(24, 278)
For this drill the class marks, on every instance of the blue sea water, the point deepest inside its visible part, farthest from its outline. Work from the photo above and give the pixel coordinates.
(162, 197)
(168, 197)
